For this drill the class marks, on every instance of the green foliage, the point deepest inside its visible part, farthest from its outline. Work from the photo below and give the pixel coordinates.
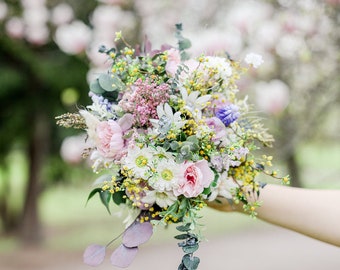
(105, 197)
(183, 43)
(189, 246)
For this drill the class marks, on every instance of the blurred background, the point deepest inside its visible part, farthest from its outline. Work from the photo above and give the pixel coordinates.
(49, 54)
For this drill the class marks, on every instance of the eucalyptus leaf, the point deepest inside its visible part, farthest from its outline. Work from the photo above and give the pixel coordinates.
(96, 88)
(123, 256)
(182, 236)
(137, 234)
(191, 263)
(110, 82)
(106, 82)
(174, 145)
(184, 228)
(190, 249)
(94, 255)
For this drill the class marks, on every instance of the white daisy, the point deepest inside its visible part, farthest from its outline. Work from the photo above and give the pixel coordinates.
(139, 161)
(166, 176)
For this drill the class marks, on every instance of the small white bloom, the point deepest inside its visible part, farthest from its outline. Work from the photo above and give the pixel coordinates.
(139, 161)
(254, 59)
(224, 187)
(162, 199)
(167, 119)
(221, 65)
(73, 38)
(167, 175)
(194, 103)
(62, 13)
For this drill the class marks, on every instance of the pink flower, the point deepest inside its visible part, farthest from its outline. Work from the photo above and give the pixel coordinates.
(218, 127)
(110, 138)
(196, 177)
(174, 59)
(107, 136)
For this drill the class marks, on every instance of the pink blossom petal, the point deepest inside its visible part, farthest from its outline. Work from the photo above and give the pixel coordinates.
(94, 254)
(208, 174)
(126, 121)
(137, 234)
(123, 256)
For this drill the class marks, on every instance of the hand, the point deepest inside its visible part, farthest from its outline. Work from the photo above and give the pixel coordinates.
(225, 205)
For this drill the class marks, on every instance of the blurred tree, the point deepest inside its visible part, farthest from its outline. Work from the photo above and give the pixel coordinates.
(33, 75)
(43, 63)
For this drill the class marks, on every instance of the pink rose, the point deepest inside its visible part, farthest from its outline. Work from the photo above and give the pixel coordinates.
(109, 138)
(196, 177)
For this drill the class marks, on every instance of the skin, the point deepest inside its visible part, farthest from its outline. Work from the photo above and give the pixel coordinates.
(312, 212)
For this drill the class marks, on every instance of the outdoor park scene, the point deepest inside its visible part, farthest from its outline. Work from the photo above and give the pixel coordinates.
(124, 121)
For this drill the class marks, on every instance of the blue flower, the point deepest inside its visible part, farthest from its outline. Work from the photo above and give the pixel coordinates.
(228, 114)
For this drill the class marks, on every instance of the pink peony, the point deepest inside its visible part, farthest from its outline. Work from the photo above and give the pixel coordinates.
(110, 138)
(196, 177)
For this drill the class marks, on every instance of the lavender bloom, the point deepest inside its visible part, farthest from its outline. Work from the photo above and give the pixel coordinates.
(228, 114)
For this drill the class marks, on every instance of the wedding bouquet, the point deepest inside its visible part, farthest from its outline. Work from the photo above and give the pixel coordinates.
(168, 134)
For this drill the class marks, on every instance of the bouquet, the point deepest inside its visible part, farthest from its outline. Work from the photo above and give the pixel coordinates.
(168, 134)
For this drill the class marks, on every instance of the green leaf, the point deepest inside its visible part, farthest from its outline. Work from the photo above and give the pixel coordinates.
(105, 197)
(206, 191)
(110, 82)
(174, 145)
(92, 193)
(182, 236)
(118, 197)
(105, 81)
(184, 204)
(96, 88)
(190, 262)
(190, 249)
(184, 228)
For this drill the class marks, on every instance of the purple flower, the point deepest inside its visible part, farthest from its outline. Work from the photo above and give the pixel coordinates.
(228, 114)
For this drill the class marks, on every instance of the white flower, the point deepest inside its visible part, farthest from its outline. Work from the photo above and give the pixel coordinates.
(62, 13)
(140, 161)
(220, 65)
(167, 119)
(167, 175)
(162, 199)
(254, 59)
(194, 103)
(73, 38)
(272, 97)
(224, 187)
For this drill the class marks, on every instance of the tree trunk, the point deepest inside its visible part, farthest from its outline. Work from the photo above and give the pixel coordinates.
(37, 151)
(8, 217)
(293, 169)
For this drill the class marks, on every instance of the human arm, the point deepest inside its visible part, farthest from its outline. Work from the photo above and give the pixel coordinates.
(315, 213)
